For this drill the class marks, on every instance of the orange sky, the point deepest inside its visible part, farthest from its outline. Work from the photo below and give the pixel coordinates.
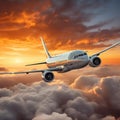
(22, 23)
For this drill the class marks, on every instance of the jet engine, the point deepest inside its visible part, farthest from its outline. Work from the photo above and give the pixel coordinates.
(47, 76)
(94, 61)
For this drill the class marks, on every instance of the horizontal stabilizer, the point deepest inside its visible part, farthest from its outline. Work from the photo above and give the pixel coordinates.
(36, 64)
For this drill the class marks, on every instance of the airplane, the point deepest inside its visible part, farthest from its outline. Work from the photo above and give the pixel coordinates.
(65, 62)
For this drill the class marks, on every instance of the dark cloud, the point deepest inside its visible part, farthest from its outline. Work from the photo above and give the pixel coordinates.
(5, 92)
(56, 20)
(26, 103)
(3, 69)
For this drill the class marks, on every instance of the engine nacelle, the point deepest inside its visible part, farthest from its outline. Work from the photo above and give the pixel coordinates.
(47, 76)
(94, 61)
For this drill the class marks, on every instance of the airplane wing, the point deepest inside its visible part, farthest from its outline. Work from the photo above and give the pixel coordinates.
(98, 53)
(33, 71)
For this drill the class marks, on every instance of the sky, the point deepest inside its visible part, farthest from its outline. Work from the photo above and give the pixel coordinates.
(82, 94)
(64, 24)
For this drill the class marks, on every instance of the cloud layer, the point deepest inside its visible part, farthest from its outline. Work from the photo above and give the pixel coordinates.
(86, 98)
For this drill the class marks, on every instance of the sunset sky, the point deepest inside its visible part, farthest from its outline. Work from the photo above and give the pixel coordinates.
(64, 24)
(82, 94)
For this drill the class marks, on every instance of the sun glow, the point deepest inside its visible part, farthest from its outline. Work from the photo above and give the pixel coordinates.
(18, 60)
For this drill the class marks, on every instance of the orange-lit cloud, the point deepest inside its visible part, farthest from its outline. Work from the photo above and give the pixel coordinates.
(22, 21)
(61, 23)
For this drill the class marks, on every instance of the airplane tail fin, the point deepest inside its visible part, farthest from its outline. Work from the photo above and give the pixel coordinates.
(45, 48)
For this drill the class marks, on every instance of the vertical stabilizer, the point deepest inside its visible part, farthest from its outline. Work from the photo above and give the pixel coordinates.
(45, 48)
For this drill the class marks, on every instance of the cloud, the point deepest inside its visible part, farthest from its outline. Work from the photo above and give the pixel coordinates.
(3, 69)
(7, 81)
(53, 116)
(85, 82)
(80, 108)
(109, 118)
(57, 20)
(16, 23)
(5, 92)
(104, 71)
(100, 101)
(110, 91)
(25, 102)
(88, 97)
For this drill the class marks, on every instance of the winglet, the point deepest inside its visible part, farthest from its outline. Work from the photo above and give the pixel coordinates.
(45, 48)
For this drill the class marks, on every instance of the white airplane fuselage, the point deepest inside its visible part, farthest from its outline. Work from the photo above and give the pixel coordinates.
(75, 59)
